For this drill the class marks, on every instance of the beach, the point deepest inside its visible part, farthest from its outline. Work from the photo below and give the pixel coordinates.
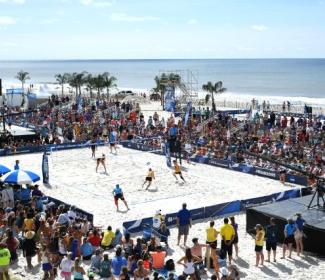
(73, 180)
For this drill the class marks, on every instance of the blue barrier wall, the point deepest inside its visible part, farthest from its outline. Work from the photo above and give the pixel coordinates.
(217, 210)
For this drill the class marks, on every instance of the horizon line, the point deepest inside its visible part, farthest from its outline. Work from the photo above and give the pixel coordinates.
(152, 59)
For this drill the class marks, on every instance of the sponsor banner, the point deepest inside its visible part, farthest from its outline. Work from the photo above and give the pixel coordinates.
(170, 102)
(287, 195)
(170, 219)
(241, 167)
(257, 200)
(167, 154)
(188, 113)
(212, 211)
(296, 179)
(234, 112)
(45, 169)
(14, 91)
(198, 214)
(266, 173)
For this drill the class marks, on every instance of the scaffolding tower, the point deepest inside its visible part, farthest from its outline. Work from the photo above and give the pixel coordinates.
(188, 84)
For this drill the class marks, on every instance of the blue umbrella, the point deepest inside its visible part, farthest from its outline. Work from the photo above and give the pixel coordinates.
(4, 169)
(20, 177)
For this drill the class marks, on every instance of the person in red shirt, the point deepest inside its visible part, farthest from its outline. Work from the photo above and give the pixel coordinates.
(94, 238)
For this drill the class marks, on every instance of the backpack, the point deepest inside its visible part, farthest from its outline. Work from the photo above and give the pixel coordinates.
(170, 265)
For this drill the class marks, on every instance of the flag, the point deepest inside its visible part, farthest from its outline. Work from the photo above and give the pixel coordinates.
(188, 113)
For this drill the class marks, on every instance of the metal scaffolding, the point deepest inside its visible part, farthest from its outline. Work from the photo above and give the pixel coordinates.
(188, 85)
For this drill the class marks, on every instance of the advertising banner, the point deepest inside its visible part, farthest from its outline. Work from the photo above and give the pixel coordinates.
(170, 101)
(45, 168)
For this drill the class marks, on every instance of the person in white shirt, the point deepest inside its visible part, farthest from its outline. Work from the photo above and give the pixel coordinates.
(7, 197)
(66, 266)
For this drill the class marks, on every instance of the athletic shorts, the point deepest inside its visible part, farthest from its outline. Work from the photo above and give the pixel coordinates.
(258, 248)
(46, 266)
(183, 230)
(178, 173)
(227, 248)
(112, 144)
(65, 274)
(289, 240)
(235, 240)
(119, 196)
(149, 179)
(270, 245)
(213, 242)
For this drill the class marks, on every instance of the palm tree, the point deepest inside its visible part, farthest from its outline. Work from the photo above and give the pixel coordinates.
(99, 84)
(81, 79)
(72, 80)
(109, 82)
(212, 89)
(62, 79)
(23, 76)
(76, 80)
(159, 88)
(89, 82)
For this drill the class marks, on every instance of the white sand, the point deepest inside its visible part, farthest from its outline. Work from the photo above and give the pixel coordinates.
(73, 180)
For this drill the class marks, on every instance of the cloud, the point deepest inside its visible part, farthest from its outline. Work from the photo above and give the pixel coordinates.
(192, 21)
(19, 2)
(259, 27)
(50, 21)
(127, 18)
(4, 21)
(97, 3)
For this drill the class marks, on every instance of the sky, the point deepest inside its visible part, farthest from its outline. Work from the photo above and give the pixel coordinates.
(161, 29)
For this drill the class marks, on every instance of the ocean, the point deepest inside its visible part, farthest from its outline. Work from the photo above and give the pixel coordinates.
(260, 77)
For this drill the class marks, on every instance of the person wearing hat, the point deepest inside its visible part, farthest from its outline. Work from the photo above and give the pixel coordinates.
(118, 194)
(259, 242)
(29, 247)
(4, 261)
(289, 239)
